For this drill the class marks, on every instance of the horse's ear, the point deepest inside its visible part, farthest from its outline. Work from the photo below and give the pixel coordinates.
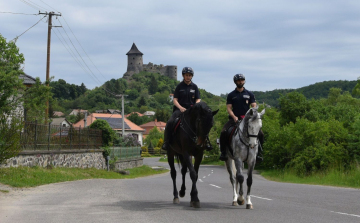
(262, 113)
(214, 112)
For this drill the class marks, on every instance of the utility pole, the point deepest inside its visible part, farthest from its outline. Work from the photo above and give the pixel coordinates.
(122, 113)
(50, 14)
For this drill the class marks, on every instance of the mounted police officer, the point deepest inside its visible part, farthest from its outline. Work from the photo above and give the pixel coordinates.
(185, 96)
(238, 103)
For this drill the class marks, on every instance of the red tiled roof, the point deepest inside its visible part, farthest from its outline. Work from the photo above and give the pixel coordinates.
(92, 117)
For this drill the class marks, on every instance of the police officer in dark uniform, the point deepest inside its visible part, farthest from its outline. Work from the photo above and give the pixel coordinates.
(186, 95)
(238, 103)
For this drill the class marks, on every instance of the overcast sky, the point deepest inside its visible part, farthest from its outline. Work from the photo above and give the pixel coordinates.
(276, 44)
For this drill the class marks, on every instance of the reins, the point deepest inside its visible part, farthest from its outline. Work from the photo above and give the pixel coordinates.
(242, 140)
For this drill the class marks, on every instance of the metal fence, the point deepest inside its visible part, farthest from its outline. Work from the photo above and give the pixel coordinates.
(53, 137)
(122, 153)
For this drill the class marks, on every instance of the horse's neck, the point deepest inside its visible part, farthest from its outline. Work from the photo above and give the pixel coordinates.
(243, 131)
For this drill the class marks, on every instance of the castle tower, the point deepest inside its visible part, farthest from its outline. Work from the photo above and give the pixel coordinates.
(135, 61)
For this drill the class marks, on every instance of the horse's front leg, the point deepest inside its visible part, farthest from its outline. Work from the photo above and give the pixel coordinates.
(173, 176)
(195, 202)
(251, 165)
(229, 167)
(240, 180)
(183, 173)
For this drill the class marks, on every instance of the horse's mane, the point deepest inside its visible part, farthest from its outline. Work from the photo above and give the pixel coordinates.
(200, 105)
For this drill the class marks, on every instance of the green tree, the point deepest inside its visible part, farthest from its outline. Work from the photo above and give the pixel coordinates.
(356, 89)
(154, 136)
(292, 106)
(142, 101)
(35, 99)
(11, 88)
(153, 86)
(108, 134)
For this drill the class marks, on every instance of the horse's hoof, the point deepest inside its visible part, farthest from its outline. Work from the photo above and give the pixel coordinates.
(182, 193)
(195, 204)
(241, 202)
(176, 201)
(234, 203)
(249, 206)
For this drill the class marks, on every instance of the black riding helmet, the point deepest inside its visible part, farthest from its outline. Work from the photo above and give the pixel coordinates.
(188, 70)
(239, 77)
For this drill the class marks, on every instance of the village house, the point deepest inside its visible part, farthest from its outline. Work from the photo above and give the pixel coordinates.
(115, 122)
(76, 111)
(150, 125)
(60, 122)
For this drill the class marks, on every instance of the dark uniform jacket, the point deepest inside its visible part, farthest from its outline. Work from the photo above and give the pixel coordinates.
(186, 94)
(240, 101)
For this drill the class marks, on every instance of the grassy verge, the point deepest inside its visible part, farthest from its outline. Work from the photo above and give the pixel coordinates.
(35, 176)
(334, 177)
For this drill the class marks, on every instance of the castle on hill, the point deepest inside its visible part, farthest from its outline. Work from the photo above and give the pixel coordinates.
(135, 65)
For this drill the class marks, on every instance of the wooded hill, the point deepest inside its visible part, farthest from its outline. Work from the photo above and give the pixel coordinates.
(146, 92)
(313, 91)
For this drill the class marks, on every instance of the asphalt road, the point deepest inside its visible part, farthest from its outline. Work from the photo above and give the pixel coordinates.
(149, 199)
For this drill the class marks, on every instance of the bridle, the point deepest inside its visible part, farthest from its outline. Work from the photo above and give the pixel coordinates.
(185, 126)
(238, 130)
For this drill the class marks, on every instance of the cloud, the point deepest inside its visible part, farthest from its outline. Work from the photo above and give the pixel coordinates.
(276, 44)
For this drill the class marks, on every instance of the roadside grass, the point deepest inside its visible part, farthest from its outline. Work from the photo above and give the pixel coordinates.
(35, 176)
(337, 177)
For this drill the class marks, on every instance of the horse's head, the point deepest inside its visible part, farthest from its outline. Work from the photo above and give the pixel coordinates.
(203, 121)
(254, 124)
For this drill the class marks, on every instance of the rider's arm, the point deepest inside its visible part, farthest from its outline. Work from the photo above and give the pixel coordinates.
(197, 100)
(176, 103)
(253, 105)
(231, 113)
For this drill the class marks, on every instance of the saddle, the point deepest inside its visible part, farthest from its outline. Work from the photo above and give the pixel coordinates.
(176, 125)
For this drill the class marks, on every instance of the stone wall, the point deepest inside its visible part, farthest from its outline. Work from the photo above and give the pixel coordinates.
(59, 158)
(130, 163)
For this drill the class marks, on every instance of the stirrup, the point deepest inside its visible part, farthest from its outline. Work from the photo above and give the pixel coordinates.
(223, 157)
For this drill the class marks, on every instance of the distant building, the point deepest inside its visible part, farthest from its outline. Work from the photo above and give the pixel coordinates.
(60, 122)
(58, 114)
(115, 122)
(139, 114)
(76, 111)
(28, 81)
(150, 125)
(109, 111)
(135, 65)
(149, 113)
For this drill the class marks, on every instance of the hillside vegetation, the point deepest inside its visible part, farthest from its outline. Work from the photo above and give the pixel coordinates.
(147, 92)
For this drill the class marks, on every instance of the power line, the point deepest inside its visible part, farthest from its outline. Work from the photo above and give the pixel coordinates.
(18, 13)
(83, 48)
(49, 6)
(27, 29)
(92, 75)
(37, 5)
(32, 6)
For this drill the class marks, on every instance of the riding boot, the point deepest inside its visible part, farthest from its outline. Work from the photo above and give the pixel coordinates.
(223, 155)
(259, 157)
(167, 138)
(208, 146)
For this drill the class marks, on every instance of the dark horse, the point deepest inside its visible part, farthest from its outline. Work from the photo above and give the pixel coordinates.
(190, 140)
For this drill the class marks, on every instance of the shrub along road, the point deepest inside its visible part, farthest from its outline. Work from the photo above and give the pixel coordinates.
(149, 199)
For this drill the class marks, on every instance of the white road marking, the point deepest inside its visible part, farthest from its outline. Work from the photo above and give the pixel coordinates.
(201, 180)
(346, 214)
(262, 198)
(209, 174)
(204, 176)
(214, 185)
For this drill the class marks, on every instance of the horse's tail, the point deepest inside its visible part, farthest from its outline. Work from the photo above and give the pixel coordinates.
(178, 160)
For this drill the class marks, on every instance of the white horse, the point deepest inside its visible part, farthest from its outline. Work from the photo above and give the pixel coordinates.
(244, 145)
